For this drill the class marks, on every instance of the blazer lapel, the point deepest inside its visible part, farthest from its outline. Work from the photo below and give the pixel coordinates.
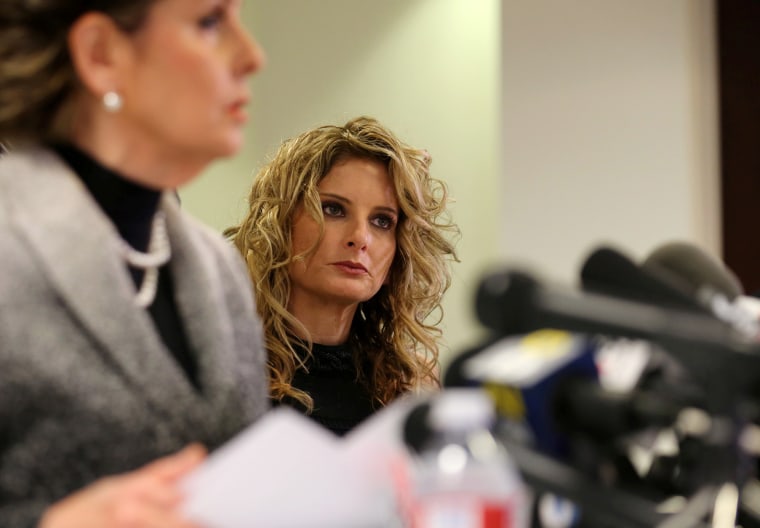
(78, 249)
(200, 298)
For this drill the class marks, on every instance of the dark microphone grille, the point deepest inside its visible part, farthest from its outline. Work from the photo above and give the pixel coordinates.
(694, 266)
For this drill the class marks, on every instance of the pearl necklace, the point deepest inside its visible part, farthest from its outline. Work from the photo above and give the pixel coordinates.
(159, 253)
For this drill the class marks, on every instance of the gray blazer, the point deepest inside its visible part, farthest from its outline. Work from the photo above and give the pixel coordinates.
(87, 387)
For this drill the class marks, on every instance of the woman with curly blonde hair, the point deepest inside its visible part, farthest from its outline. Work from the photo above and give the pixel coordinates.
(348, 242)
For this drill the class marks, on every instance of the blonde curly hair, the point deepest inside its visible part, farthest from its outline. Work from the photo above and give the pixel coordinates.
(396, 332)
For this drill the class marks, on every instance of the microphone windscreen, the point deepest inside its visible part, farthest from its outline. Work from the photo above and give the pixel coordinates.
(610, 272)
(504, 301)
(695, 267)
(415, 428)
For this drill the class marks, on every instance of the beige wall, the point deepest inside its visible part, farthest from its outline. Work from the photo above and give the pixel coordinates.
(557, 125)
(609, 129)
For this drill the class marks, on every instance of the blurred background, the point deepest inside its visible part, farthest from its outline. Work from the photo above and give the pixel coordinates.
(558, 126)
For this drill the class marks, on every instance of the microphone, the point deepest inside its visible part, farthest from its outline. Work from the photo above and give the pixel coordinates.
(546, 384)
(526, 376)
(695, 268)
(710, 282)
(561, 426)
(512, 302)
(608, 271)
(724, 365)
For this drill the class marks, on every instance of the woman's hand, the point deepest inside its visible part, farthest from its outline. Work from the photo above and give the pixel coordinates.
(145, 498)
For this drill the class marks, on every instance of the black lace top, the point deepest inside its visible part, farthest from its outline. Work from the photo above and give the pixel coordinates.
(340, 401)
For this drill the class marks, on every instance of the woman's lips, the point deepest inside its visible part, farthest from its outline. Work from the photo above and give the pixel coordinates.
(238, 111)
(353, 268)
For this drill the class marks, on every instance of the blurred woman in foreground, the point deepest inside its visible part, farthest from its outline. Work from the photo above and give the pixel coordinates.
(127, 329)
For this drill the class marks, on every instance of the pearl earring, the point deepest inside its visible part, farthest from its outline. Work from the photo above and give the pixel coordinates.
(112, 101)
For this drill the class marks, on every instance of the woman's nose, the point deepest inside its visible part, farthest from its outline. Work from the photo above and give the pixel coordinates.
(358, 236)
(250, 56)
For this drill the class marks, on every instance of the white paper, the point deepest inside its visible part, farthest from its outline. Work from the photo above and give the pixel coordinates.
(286, 471)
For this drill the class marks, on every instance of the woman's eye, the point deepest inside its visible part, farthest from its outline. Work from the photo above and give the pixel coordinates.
(332, 209)
(212, 20)
(384, 222)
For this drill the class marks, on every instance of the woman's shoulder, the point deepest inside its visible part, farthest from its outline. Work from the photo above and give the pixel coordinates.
(34, 195)
(36, 160)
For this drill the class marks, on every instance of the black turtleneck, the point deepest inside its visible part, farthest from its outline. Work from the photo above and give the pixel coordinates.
(131, 208)
(341, 402)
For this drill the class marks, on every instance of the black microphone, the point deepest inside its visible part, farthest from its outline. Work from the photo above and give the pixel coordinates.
(608, 271)
(513, 302)
(724, 365)
(709, 281)
(695, 268)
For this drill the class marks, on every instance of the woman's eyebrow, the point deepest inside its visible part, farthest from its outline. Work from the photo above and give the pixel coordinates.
(343, 199)
(391, 210)
(334, 196)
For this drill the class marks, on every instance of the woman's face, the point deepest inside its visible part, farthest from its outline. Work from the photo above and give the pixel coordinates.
(353, 260)
(184, 78)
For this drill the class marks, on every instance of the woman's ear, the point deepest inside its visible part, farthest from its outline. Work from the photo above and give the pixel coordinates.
(97, 49)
